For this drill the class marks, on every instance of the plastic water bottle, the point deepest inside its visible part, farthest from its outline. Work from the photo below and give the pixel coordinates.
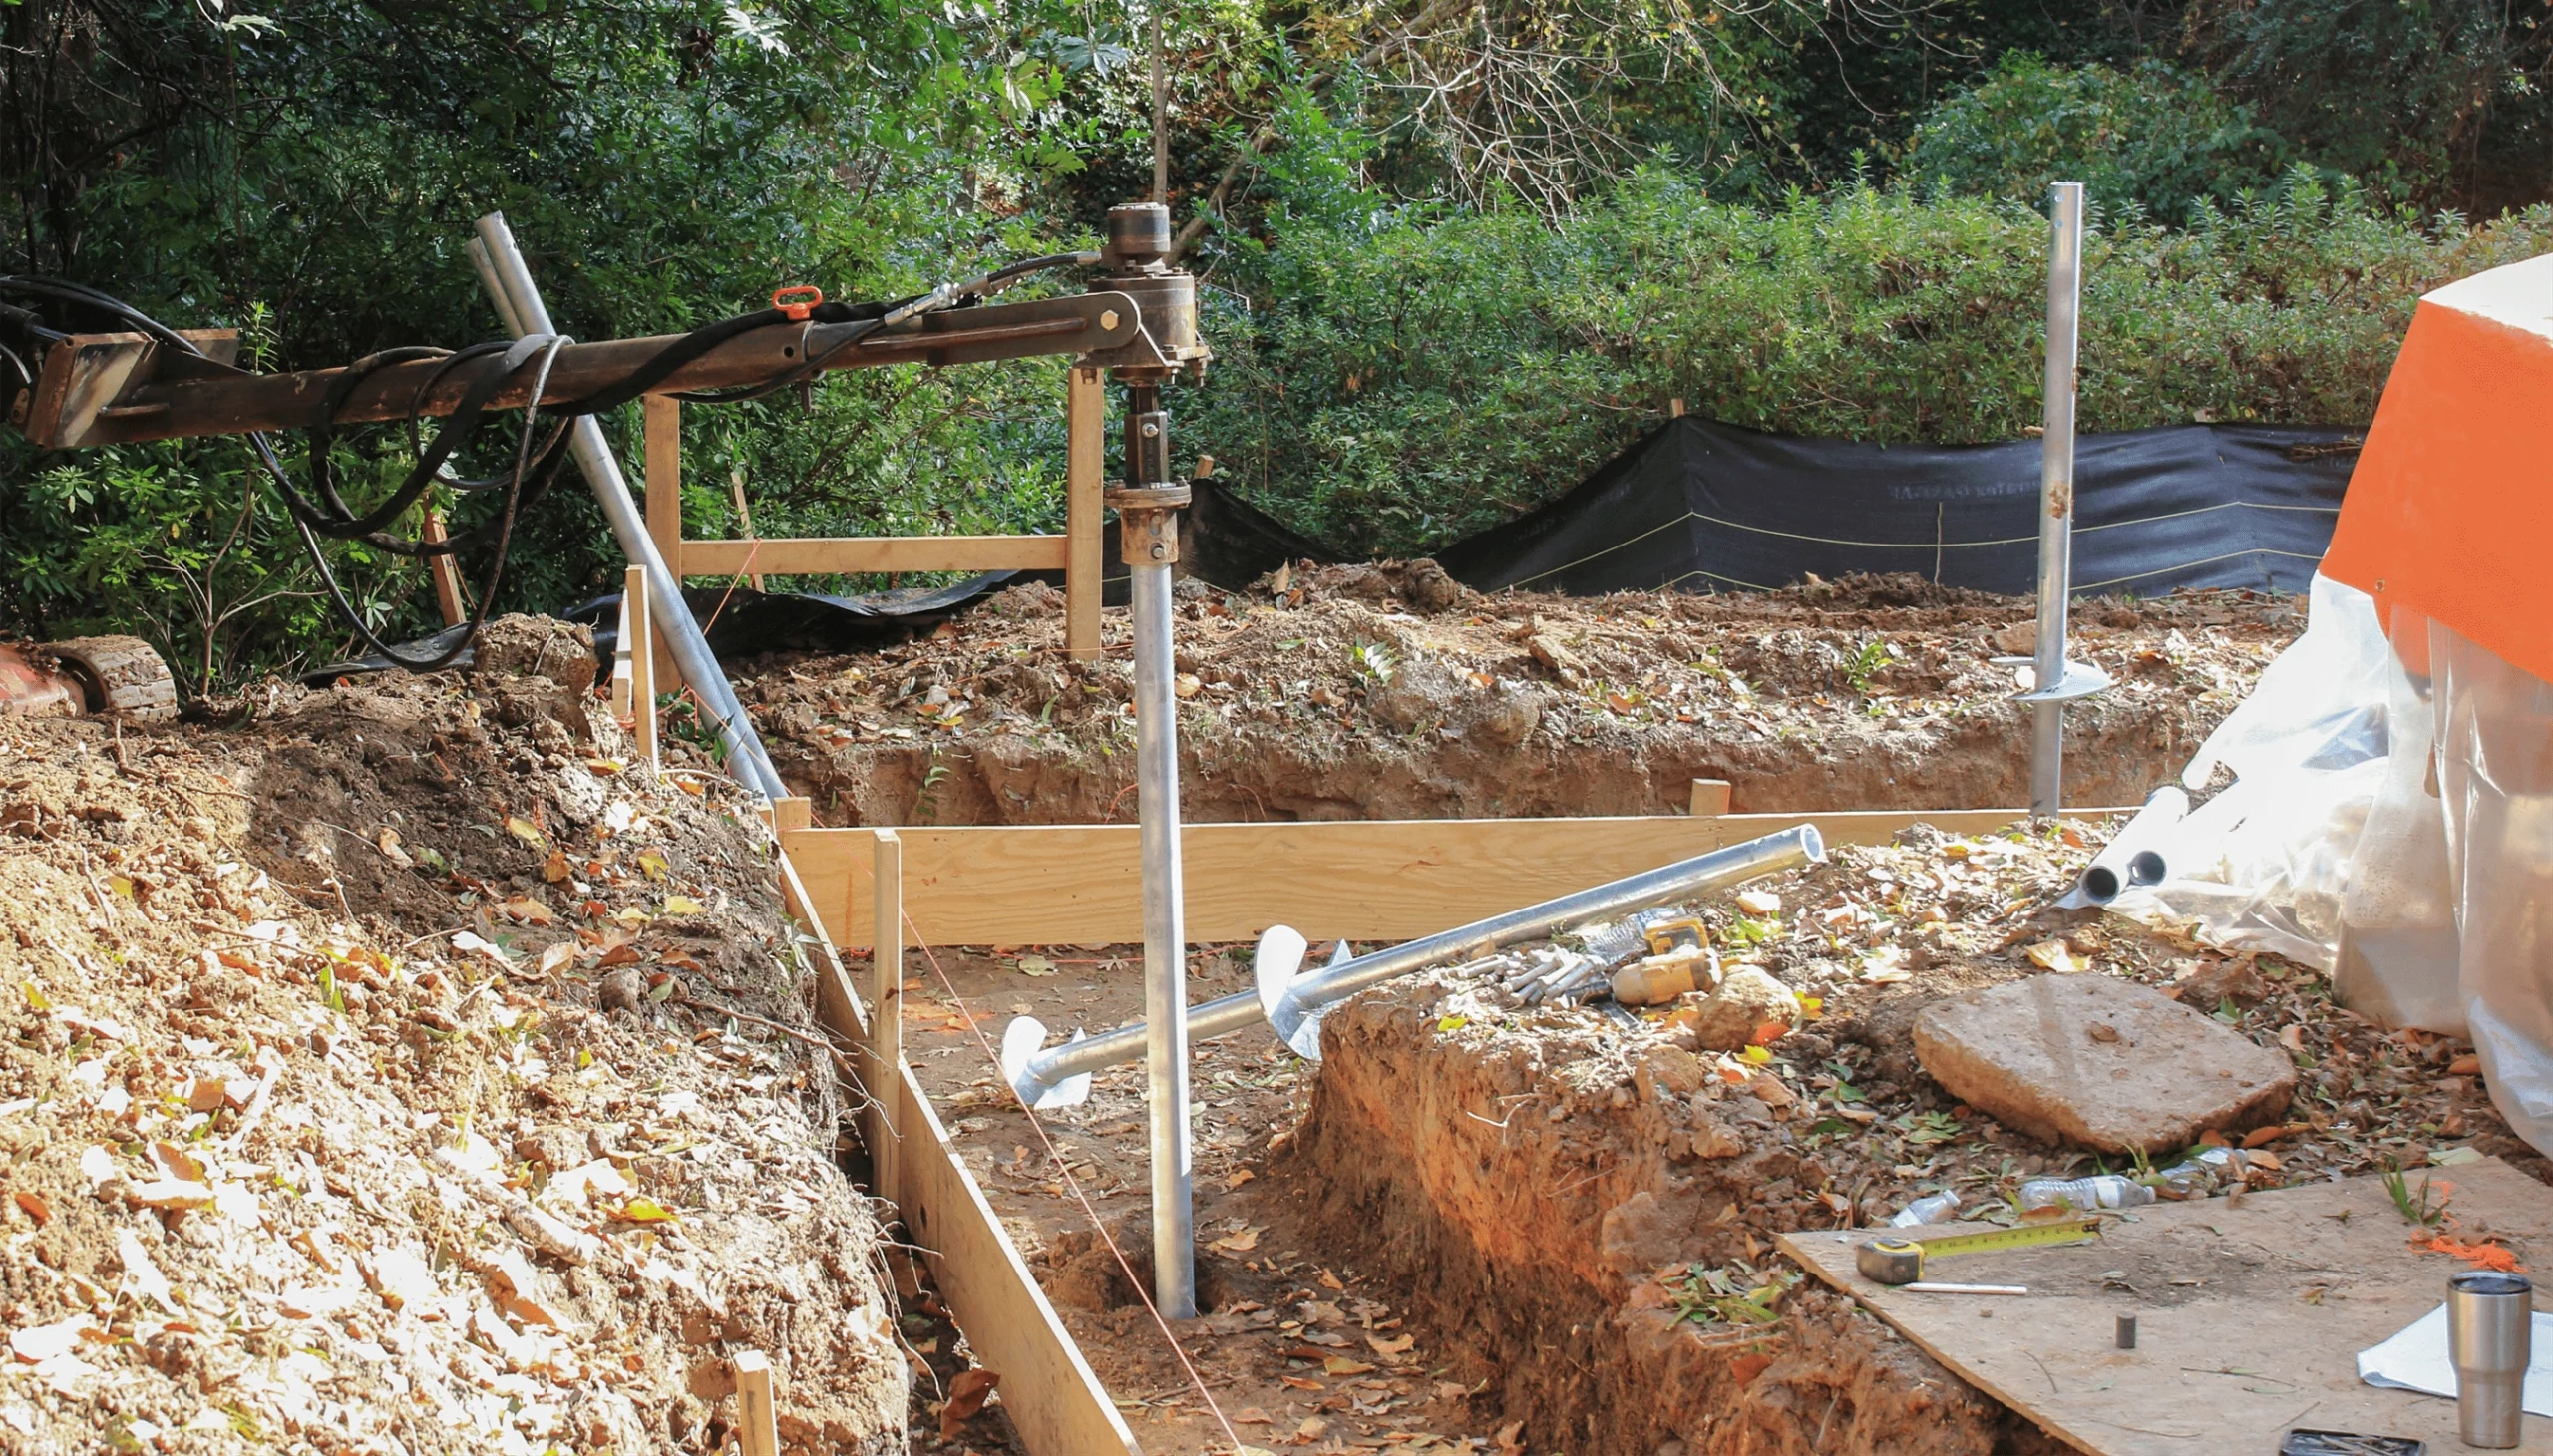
(2202, 1175)
(1933, 1209)
(2085, 1195)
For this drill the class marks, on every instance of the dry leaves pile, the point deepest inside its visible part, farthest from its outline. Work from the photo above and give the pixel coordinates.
(386, 1076)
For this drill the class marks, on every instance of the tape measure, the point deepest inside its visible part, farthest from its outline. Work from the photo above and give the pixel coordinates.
(1897, 1259)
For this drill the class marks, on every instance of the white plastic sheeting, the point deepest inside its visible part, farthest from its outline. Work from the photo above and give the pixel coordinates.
(2391, 827)
(2263, 864)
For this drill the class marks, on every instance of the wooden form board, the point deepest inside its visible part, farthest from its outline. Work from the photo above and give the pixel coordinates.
(1085, 461)
(1054, 1400)
(1360, 880)
(1076, 554)
(2249, 1319)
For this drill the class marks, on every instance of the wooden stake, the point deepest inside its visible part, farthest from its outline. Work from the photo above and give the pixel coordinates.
(744, 513)
(624, 675)
(1085, 463)
(448, 598)
(665, 501)
(886, 1004)
(757, 1419)
(1711, 797)
(640, 623)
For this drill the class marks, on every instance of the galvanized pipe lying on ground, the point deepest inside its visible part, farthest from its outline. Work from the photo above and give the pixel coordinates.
(1060, 1076)
(508, 284)
(1294, 1005)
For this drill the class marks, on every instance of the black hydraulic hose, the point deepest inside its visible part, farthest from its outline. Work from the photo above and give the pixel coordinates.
(534, 469)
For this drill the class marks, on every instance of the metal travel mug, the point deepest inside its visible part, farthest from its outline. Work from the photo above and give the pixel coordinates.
(2490, 1324)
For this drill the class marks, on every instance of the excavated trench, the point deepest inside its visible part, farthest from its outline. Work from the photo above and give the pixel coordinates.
(1530, 1192)
(1541, 1198)
(1336, 698)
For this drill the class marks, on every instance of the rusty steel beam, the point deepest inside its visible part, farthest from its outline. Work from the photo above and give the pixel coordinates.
(204, 399)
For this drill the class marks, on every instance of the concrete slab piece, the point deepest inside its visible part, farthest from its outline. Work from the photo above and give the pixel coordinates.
(2099, 1062)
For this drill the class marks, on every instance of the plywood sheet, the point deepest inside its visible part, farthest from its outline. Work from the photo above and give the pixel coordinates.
(1362, 880)
(2249, 1319)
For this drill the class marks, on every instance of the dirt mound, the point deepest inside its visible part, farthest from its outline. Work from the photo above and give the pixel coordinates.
(396, 1070)
(1370, 692)
(1588, 1199)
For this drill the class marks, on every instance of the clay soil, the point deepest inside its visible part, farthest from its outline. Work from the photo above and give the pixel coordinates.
(397, 1069)
(1487, 1227)
(1390, 692)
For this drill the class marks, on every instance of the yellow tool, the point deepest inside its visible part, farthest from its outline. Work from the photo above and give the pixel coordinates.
(1897, 1259)
(1686, 933)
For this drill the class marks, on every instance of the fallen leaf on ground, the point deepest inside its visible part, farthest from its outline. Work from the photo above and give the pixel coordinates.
(172, 1193)
(142, 1278)
(643, 1211)
(526, 831)
(966, 1396)
(1241, 1243)
(1396, 1346)
(468, 944)
(555, 959)
(1343, 1365)
(45, 1342)
(2056, 955)
(34, 1206)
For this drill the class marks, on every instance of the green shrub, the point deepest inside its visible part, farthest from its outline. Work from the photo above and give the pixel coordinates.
(2154, 139)
(1390, 389)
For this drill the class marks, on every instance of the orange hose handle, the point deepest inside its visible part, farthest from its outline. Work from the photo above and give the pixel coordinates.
(803, 296)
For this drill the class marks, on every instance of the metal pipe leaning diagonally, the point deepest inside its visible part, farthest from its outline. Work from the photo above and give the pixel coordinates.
(1060, 1076)
(508, 284)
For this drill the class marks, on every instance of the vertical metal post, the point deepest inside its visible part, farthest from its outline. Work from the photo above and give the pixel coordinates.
(2056, 495)
(1161, 114)
(508, 282)
(1165, 944)
(1147, 504)
(887, 1011)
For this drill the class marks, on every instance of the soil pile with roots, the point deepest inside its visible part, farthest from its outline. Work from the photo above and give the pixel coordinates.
(397, 1069)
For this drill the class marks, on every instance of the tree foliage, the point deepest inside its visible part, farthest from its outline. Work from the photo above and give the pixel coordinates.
(1453, 255)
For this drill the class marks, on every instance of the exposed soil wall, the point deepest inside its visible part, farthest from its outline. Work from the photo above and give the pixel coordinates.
(1533, 1245)
(1355, 692)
